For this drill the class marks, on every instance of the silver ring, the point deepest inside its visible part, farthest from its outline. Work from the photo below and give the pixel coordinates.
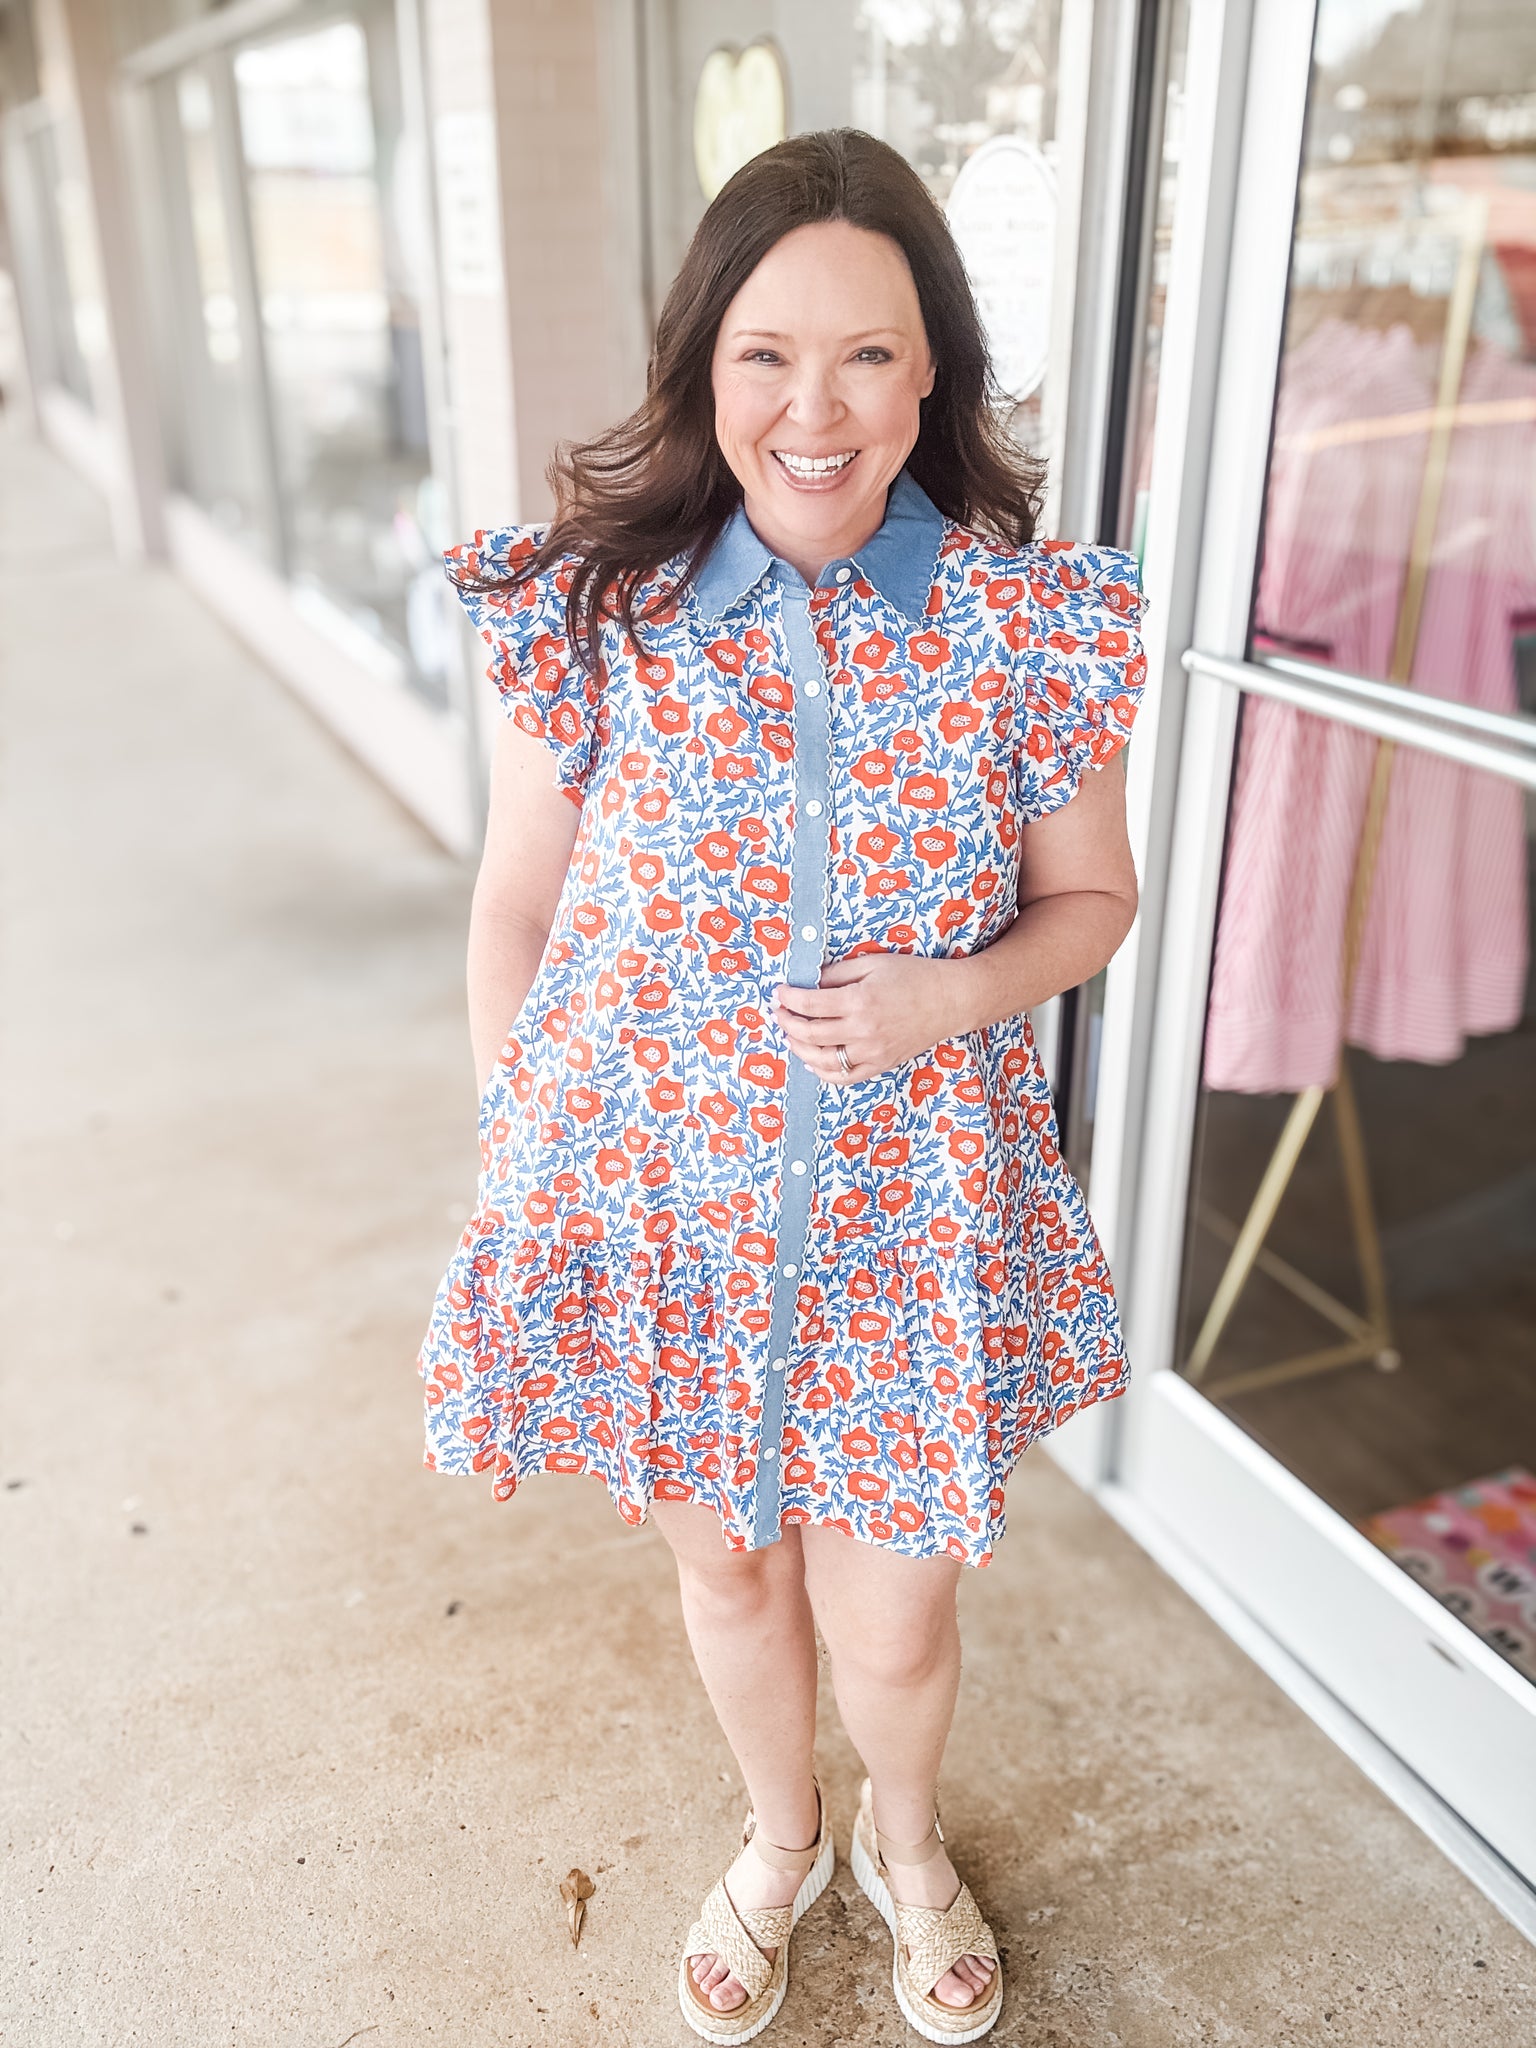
(842, 1053)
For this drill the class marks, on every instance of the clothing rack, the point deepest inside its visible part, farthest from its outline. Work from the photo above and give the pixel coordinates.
(1369, 1335)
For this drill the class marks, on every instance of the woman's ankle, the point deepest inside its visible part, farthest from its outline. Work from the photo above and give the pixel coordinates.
(788, 1820)
(906, 1819)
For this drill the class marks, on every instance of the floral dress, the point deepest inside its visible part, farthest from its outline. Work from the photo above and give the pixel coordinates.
(696, 1269)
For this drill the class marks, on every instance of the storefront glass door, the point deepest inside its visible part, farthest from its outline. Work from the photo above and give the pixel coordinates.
(1370, 1041)
(1347, 1434)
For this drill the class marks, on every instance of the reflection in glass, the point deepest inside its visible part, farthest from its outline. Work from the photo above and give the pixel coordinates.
(339, 278)
(220, 463)
(1400, 534)
(966, 90)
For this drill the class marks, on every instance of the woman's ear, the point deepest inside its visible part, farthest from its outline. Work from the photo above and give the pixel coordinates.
(928, 381)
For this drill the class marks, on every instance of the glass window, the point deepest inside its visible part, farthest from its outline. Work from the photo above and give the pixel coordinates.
(1359, 1289)
(217, 398)
(62, 253)
(967, 93)
(320, 126)
(1360, 1280)
(50, 254)
(1400, 534)
(1359, 1284)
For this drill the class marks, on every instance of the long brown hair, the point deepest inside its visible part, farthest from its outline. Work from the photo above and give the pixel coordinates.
(656, 485)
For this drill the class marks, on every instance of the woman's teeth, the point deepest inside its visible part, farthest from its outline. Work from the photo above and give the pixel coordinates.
(813, 465)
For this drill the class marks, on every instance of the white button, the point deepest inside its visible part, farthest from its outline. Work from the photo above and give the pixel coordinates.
(813, 809)
(769, 1451)
(797, 1166)
(807, 931)
(843, 574)
(813, 689)
(789, 1271)
(777, 1364)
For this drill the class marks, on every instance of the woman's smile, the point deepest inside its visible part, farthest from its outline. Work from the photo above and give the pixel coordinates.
(815, 472)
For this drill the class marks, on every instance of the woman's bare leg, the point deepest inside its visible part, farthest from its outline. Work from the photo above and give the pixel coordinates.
(893, 1637)
(749, 1623)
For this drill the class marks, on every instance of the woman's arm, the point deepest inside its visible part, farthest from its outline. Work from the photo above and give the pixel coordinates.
(529, 835)
(1077, 900)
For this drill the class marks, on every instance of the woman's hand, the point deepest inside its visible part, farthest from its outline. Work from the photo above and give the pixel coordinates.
(1076, 900)
(883, 1007)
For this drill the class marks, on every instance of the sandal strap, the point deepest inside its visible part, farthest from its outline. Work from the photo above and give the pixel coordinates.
(797, 1861)
(930, 1845)
(935, 1941)
(769, 1926)
(721, 1930)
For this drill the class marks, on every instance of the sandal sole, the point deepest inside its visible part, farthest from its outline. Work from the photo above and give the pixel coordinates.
(878, 1893)
(816, 1882)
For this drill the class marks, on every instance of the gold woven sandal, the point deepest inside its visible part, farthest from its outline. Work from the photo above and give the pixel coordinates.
(739, 1934)
(927, 1941)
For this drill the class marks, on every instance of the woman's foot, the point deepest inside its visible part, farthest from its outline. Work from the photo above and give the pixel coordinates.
(752, 1883)
(937, 1883)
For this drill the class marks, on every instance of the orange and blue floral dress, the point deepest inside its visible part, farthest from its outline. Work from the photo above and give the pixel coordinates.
(695, 1268)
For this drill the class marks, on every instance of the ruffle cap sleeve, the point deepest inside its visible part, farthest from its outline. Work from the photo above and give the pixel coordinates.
(1078, 665)
(543, 686)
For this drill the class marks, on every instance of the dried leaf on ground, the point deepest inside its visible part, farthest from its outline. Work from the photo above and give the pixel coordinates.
(576, 1888)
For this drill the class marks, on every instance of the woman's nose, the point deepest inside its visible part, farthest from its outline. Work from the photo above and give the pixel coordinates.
(814, 404)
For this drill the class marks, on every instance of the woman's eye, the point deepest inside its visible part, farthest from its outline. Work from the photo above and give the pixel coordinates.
(761, 355)
(874, 355)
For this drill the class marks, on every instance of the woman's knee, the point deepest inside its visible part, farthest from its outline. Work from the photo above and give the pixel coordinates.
(903, 1650)
(891, 1620)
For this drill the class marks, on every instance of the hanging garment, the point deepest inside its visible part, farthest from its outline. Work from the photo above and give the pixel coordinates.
(1445, 943)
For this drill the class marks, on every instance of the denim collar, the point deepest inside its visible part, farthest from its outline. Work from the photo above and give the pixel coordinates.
(898, 559)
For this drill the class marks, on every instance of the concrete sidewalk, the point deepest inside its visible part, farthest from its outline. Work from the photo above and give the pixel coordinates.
(298, 1738)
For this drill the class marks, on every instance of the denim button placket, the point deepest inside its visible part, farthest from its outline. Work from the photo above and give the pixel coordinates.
(809, 860)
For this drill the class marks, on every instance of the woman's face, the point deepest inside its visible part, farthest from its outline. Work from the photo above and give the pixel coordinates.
(819, 366)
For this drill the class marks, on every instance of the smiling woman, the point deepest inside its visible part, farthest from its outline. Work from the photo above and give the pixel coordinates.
(774, 1234)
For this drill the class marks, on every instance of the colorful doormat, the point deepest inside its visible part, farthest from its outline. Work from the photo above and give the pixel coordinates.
(1474, 1547)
